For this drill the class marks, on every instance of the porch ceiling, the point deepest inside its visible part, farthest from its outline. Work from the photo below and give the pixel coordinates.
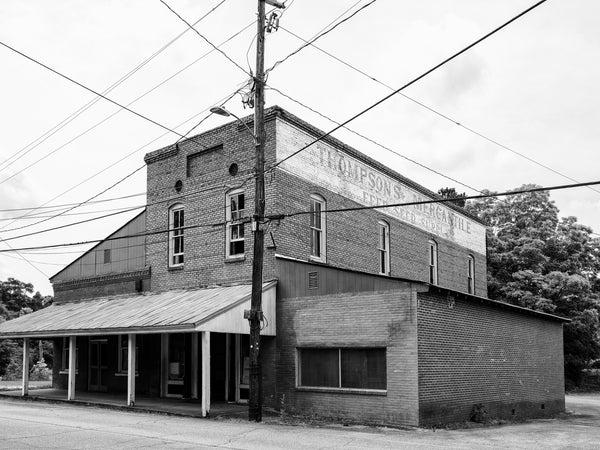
(217, 309)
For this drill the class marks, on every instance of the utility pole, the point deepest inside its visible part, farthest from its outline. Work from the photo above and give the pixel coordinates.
(255, 394)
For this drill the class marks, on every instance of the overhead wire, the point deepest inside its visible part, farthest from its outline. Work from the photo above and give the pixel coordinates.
(410, 83)
(44, 136)
(282, 216)
(205, 39)
(322, 33)
(433, 110)
(437, 172)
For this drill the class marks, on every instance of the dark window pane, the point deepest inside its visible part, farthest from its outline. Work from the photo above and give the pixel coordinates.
(319, 367)
(364, 368)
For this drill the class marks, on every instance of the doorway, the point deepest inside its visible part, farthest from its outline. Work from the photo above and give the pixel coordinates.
(98, 373)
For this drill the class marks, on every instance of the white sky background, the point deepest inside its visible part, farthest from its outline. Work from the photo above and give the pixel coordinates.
(532, 87)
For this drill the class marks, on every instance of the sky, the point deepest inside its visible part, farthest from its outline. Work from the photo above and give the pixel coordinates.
(518, 108)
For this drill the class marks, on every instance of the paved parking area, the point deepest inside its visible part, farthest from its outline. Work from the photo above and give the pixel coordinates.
(27, 424)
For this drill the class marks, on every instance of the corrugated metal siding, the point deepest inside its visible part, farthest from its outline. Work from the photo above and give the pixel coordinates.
(125, 254)
(177, 310)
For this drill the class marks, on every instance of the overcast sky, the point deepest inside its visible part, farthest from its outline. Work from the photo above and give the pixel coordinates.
(533, 88)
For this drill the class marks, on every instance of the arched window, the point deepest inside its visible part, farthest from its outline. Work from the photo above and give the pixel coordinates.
(471, 274)
(176, 229)
(235, 211)
(318, 236)
(383, 247)
(433, 262)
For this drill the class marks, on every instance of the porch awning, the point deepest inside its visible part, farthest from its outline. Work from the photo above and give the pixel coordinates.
(218, 309)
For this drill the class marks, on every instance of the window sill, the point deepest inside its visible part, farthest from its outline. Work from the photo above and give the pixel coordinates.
(124, 374)
(317, 259)
(172, 268)
(331, 390)
(233, 259)
(66, 372)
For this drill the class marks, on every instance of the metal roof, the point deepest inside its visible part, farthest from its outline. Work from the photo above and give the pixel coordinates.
(150, 312)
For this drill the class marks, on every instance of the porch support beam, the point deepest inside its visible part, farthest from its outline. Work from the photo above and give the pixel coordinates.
(131, 369)
(164, 364)
(194, 365)
(72, 364)
(227, 364)
(25, 385)
(205, 373)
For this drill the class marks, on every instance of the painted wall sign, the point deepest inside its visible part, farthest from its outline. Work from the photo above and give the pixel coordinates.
(339, 172)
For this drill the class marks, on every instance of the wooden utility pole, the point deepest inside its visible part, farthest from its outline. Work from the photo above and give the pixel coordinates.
(255, 394)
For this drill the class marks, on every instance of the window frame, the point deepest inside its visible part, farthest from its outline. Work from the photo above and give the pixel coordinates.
(383, 248)
(123, 359)
(176, 234)
(471, 274)
(64, 356)
(321, 230)
(432, 257)
(340, 374)
(237, 222)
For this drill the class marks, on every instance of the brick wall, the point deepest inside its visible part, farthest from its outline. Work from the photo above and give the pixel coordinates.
(359, 319)
(351, 236)
(472, 353)
(205, 186)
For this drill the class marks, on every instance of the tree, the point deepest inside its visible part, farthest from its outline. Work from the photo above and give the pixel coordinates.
(451, 193)
(540, 262)
(16, 299)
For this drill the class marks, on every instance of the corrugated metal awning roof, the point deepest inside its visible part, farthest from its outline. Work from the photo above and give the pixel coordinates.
(208, 309)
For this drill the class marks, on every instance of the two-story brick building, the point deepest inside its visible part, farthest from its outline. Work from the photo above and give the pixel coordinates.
(376, 315)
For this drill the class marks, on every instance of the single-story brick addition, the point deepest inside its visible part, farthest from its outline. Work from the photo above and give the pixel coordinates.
(375, 316)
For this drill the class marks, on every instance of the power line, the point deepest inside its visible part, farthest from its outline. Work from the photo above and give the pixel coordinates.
(387, 97)
(101, 171)
(445, 200)
(277, 217)
(322, 33)
(39, 216)
(128, 104)
(375, 142)
(87, 89)
(43, 137)
(60, 227)
(431, 109)
(205, 39)
(71, 204)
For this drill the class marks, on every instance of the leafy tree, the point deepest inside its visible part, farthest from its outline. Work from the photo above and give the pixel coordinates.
(16, 299)
(537, 261)
(451, 193)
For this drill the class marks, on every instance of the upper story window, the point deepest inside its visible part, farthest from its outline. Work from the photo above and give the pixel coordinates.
(317, 228)
(433, 262)
(235, 211)
(383, 229)
(176, 229)
(471, 274)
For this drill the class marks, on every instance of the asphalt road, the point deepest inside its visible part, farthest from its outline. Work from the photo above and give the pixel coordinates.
(26, 424)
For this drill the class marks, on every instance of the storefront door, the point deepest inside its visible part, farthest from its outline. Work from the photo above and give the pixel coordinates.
(98, 365)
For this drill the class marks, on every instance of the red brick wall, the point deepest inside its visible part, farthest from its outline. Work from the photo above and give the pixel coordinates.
(472, 353)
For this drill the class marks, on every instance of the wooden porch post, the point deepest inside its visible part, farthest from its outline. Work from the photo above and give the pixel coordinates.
(227, 364)
(164, 364)
(25, 386)
(72, 367)
(131, 369)
(194, 365)
(205, 373)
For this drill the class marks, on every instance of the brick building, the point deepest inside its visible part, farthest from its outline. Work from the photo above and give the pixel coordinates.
(371, 315)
